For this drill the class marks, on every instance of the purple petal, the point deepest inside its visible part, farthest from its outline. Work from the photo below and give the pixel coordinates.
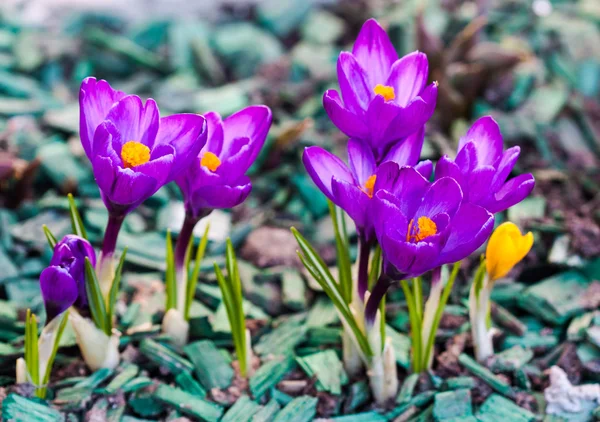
(408, 77)
(352, 200)
(134, 120)
(232, 168)
(374, 52)
(448, 168)
(466, 159)
(186, 133)
(479, 183)
(322, 166)
(470, 228)
(410, 189)
(387, 175)
(505, 166)
(59, 291)
(252, 123)
(511, 193)
(412, 259)
(214, 130)
(346, 121)
(380, 116)
(387, 213)
(444, 196)
(361, 160)
(485, 134)
(414, 115)
(407, 151)
(354, 87)
(219, 196)
(425, 168)
(95, 100)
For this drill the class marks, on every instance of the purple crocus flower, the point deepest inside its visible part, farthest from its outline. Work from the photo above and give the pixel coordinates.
(133, 151)
(421, 226)
(352, 187)
(63, 282)
(481, 168)
(383, 98)
(217, 178)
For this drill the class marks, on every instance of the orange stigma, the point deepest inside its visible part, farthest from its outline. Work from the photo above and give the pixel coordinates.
(134, 154)
(210, 161)
(387, 92)
(369, 185)
(424, 228)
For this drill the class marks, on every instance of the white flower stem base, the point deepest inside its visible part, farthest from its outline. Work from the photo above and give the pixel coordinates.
(478, 309)
(98, 349)
(383, 376)
(175, 325)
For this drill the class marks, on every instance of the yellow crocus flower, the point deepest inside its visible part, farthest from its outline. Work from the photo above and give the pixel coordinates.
(506, 247)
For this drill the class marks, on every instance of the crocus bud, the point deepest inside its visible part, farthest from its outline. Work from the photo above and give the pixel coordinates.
(22, 375)
(98, 349)
(63, 282)
(175, 325)
(506, 247)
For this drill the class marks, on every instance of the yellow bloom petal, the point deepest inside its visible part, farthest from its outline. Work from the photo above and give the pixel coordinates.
(506, 247)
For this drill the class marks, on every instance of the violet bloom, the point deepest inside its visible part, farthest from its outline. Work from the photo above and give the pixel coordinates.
(352, 187)
(63, 282)
(481, 168)
(384, 98)
(421, 226)
(217, 176)
(133, 151)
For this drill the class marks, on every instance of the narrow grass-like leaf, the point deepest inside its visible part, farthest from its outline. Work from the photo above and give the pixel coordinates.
(32, 361)
(343, 255)
(95, 299)
(375, 269)
(76, 221)
(114, 290)
(415, 326)
(49, 236)
(193, 279)
(317, 268)
(236, 287)
(170, 279)
(382, 321)
(41, 392)
(228, 294)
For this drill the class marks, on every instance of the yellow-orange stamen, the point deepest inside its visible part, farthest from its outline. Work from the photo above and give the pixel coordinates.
(386, 91)
(134, 154)
(369, 185)
(210, 161)
(424, 228)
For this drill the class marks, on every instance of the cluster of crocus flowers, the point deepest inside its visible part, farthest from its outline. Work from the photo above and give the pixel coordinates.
(506, 247)
(418, 226)
(216, 179)
(134, 152)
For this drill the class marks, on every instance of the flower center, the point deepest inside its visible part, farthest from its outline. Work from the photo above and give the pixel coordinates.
(424, 228)
(210, 161)
(134, 154)
(369, 185)
(387, 92)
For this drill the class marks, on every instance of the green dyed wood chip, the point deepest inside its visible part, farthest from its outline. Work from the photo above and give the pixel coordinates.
(301, 409)
(188, 403)
(452, 404)
(164, 357)
(408, 386)
(242, 411)
(267, 412)
(328, 369)
(486, 375)
(189, 384)
(128, 372)
(212, 368)
(497, 408)
(18, 408)
(284, 338)
(269, 374)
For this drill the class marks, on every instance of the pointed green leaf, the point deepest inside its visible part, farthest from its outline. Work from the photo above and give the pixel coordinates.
(49, 236)
(76, 221)
(114, 290)
(375, 270)
(170, 279)
(193, 280)
(343, 254)
(61, 328)
(95, 299)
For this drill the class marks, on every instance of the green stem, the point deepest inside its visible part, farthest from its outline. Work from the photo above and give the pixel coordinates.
(418, 296)
(415, 326)
(439, 312)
